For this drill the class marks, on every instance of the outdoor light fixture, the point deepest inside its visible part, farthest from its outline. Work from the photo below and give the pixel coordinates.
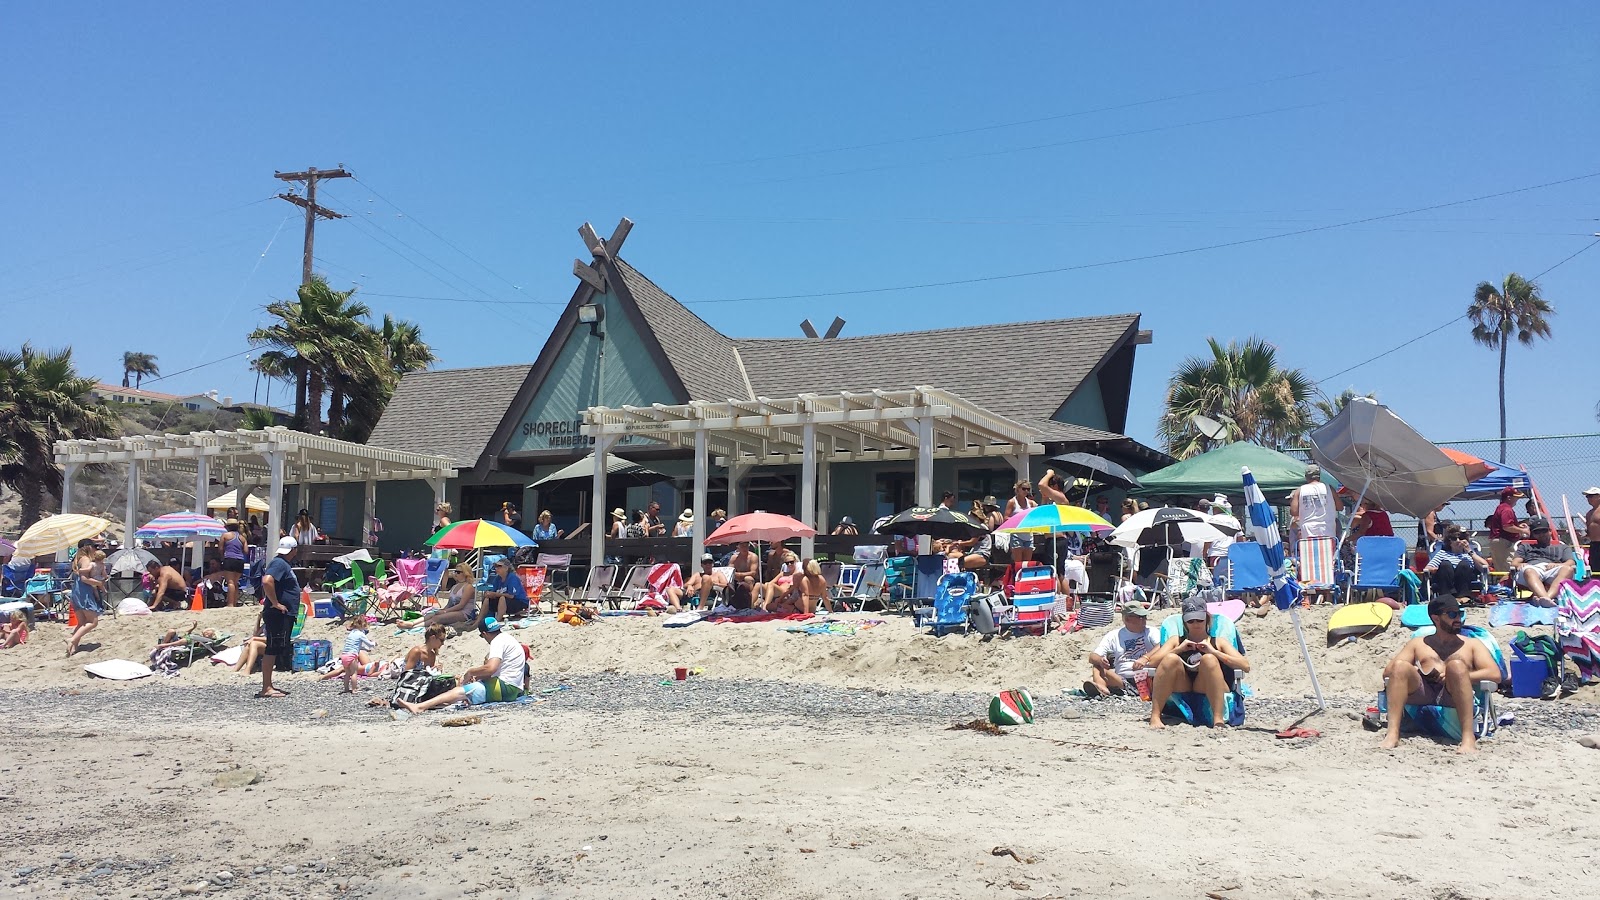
(592, 314)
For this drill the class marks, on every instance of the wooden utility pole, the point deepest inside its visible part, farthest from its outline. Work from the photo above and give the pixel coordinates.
(309, 203)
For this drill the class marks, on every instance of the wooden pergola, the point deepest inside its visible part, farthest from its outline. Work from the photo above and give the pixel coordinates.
(246, 459)
(814, 430)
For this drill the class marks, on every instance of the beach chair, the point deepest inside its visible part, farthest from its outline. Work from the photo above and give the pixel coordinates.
(658, 578)
(1578, 626)
(1246, 573)
(1442, 721)
(597, 587)
(1185, 576)
(951, 599)
(409, 573)
(557, 572)
(432, 576)
(1378, 564)
(195, 648)
(831, 571)
(849, 577)
(14, 580)
(634, 584)
(930, 569)
(870, 585)
(900, 578)
(1031, 591)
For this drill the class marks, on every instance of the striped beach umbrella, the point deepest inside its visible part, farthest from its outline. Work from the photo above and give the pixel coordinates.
(477, 534)
(54, 534)
(180, 526)
(1262, 525)
(1052, 517)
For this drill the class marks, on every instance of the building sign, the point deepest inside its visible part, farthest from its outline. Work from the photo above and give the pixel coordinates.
(557, 434)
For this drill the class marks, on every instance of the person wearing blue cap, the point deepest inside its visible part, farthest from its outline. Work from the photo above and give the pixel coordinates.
(499, 679)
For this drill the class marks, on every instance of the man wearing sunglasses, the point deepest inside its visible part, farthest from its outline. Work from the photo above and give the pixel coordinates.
(1439, 670)
(1543, 564)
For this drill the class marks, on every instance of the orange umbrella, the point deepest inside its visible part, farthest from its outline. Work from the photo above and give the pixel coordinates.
(1476, 468)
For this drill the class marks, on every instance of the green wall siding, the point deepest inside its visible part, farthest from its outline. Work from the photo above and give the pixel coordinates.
(1087, 407)
(406, 508)
(579, 379)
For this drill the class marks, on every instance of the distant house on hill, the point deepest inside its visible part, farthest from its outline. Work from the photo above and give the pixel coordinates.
(111, 393)
(207, 401)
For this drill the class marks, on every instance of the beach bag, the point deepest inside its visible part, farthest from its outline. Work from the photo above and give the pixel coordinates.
(1013, 707)
(1094, 614)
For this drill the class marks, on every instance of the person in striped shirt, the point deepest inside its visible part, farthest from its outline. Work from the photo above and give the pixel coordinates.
(1455, 569)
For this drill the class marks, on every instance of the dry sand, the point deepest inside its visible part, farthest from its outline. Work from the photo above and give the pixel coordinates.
(553, 799)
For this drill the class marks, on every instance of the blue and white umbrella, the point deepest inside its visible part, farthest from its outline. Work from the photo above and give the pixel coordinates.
(1262, 525)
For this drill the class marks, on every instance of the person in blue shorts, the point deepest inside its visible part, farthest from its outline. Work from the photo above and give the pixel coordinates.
(503, 595)
(499, 679)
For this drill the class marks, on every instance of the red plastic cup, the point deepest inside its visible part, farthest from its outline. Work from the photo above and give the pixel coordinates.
(680, 673)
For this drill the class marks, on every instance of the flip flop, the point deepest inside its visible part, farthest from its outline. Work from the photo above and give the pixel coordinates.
(276, 694)
(1090, 690)
(1292, 733)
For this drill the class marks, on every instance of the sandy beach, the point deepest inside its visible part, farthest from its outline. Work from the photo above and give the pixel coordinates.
(795, 767)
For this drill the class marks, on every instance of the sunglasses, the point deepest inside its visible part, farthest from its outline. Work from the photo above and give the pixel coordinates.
(1458, 614)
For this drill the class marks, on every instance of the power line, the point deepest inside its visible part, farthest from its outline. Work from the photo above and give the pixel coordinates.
(1151, 256)
(457, 299)
(203, 365)
(1433, 331)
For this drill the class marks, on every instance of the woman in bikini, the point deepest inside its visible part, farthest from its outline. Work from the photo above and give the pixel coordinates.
(462, 606)
(778, 591)
(813, 588)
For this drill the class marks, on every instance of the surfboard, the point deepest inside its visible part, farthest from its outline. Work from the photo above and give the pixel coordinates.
(1233, 610)
(1358, 620)
(118, 669)
(1415, 616)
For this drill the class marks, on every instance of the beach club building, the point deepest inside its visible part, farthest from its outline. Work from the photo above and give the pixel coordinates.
(818, 427)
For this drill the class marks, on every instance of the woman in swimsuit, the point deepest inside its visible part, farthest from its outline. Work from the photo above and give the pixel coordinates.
(813, 588)
(462, 606)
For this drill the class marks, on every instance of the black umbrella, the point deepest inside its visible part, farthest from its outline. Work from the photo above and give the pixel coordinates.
(1095, 468)
(938, 521)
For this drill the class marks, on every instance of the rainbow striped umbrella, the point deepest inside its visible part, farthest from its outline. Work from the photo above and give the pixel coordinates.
(477, 534)
(180, 526)
(1053, 517)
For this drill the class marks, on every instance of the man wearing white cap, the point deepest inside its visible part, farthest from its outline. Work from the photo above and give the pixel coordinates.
(280, 590)
(1591, 525)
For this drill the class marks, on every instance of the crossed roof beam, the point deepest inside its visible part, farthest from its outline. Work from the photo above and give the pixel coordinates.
(847, 426)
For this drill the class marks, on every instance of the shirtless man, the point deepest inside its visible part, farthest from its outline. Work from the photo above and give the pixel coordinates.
(1439, 670)
(746, 568)
(1591, 524)
(701, 584)
(167, 590)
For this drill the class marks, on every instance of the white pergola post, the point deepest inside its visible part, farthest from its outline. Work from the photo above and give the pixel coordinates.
(808, 485)
(369, 508)
(67, 472)
(598, 518)
(736, 475)
(924, 474)
(824, 494)
(303, 498)
(1019, 465)
(702, 474)
(130, 512)
(438, 491)
(202, 483)
(274, 498)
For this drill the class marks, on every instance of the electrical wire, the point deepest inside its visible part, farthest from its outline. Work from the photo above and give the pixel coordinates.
(983, 279)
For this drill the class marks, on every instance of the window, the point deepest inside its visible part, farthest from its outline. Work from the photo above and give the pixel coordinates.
(328, 514)
(895, 491)
(978, 484)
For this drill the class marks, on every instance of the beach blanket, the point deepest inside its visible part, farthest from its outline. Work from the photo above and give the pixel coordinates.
(1520, 614)
(228, 657)
(118, 670)
(758, 616)
(834, 627)
(1315, 563)
(682, 620)
(1578, 625)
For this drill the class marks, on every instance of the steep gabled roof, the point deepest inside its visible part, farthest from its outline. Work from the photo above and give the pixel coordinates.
(706, 360)
(1022, 370)
(451, 412)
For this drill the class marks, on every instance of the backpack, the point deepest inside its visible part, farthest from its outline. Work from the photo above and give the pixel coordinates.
(525, 556)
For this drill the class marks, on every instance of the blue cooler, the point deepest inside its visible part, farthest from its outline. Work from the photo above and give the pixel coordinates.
(1527, 673)
(325, 609)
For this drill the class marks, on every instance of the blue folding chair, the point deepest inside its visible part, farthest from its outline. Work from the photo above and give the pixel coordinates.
(930, 570)
(1246, 571)
(951, 600)
(1378, 564)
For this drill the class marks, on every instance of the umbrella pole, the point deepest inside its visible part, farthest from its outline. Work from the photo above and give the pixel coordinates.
(1305, 652)
(1345, 534)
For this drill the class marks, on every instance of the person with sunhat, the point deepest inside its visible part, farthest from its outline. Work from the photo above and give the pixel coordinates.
(1543, 563)
(500, 678)
(1121, 653)
(619, 523)
(685, 524)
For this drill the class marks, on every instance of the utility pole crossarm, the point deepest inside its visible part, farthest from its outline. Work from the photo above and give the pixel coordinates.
(305, 204)
(313, 174)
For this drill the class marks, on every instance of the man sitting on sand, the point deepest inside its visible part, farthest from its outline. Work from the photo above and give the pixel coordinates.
(1193, 660)
(167, 590)
(1439, 670)
(701, 584)
(1543, 564)
(1121, 652)
(498, 680)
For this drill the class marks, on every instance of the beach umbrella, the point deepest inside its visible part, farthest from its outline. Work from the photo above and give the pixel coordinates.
(1372, 450)
(1165, 526)
(53, 534)
(230, 500)
(1095, 468)
(1263, 528)
(180, 526)
(7, 548)
(935, 522)
(129, 561)
(1049, 518)
(759, 526)
(477, 534)
(1495, 478)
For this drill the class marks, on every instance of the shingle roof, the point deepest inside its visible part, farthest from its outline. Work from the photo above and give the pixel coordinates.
(451, 412)
(1022, 370)
(705, 359)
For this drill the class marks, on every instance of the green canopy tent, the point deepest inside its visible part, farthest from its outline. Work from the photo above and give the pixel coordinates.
(1217, 472)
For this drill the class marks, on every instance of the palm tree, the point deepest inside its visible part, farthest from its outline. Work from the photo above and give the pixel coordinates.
(1513, 309)
(1325, 409)
(138, 365)
(397, 349)
(43, 400)
(1240, 386)
(317, 333)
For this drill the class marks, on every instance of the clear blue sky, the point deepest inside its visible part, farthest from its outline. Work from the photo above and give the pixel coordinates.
(834, 147)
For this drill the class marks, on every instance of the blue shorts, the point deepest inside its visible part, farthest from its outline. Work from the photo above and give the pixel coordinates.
(1022, 539)
(492, 691)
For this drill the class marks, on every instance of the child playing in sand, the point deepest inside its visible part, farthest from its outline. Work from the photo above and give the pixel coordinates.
(353, 658)
(14, 632)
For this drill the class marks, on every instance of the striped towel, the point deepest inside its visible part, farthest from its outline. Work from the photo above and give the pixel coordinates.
(1094, 614)
(1316, 562)
(661, 577)
(1578, 624)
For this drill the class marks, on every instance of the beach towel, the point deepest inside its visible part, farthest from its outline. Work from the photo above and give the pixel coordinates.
(1506, 614)
(661, 577)
(1315, 564)
(118, 670)
(132, 606)
(758, 616)
(1578, 624)
(837, 628)
(228, 657)
(682, 620)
